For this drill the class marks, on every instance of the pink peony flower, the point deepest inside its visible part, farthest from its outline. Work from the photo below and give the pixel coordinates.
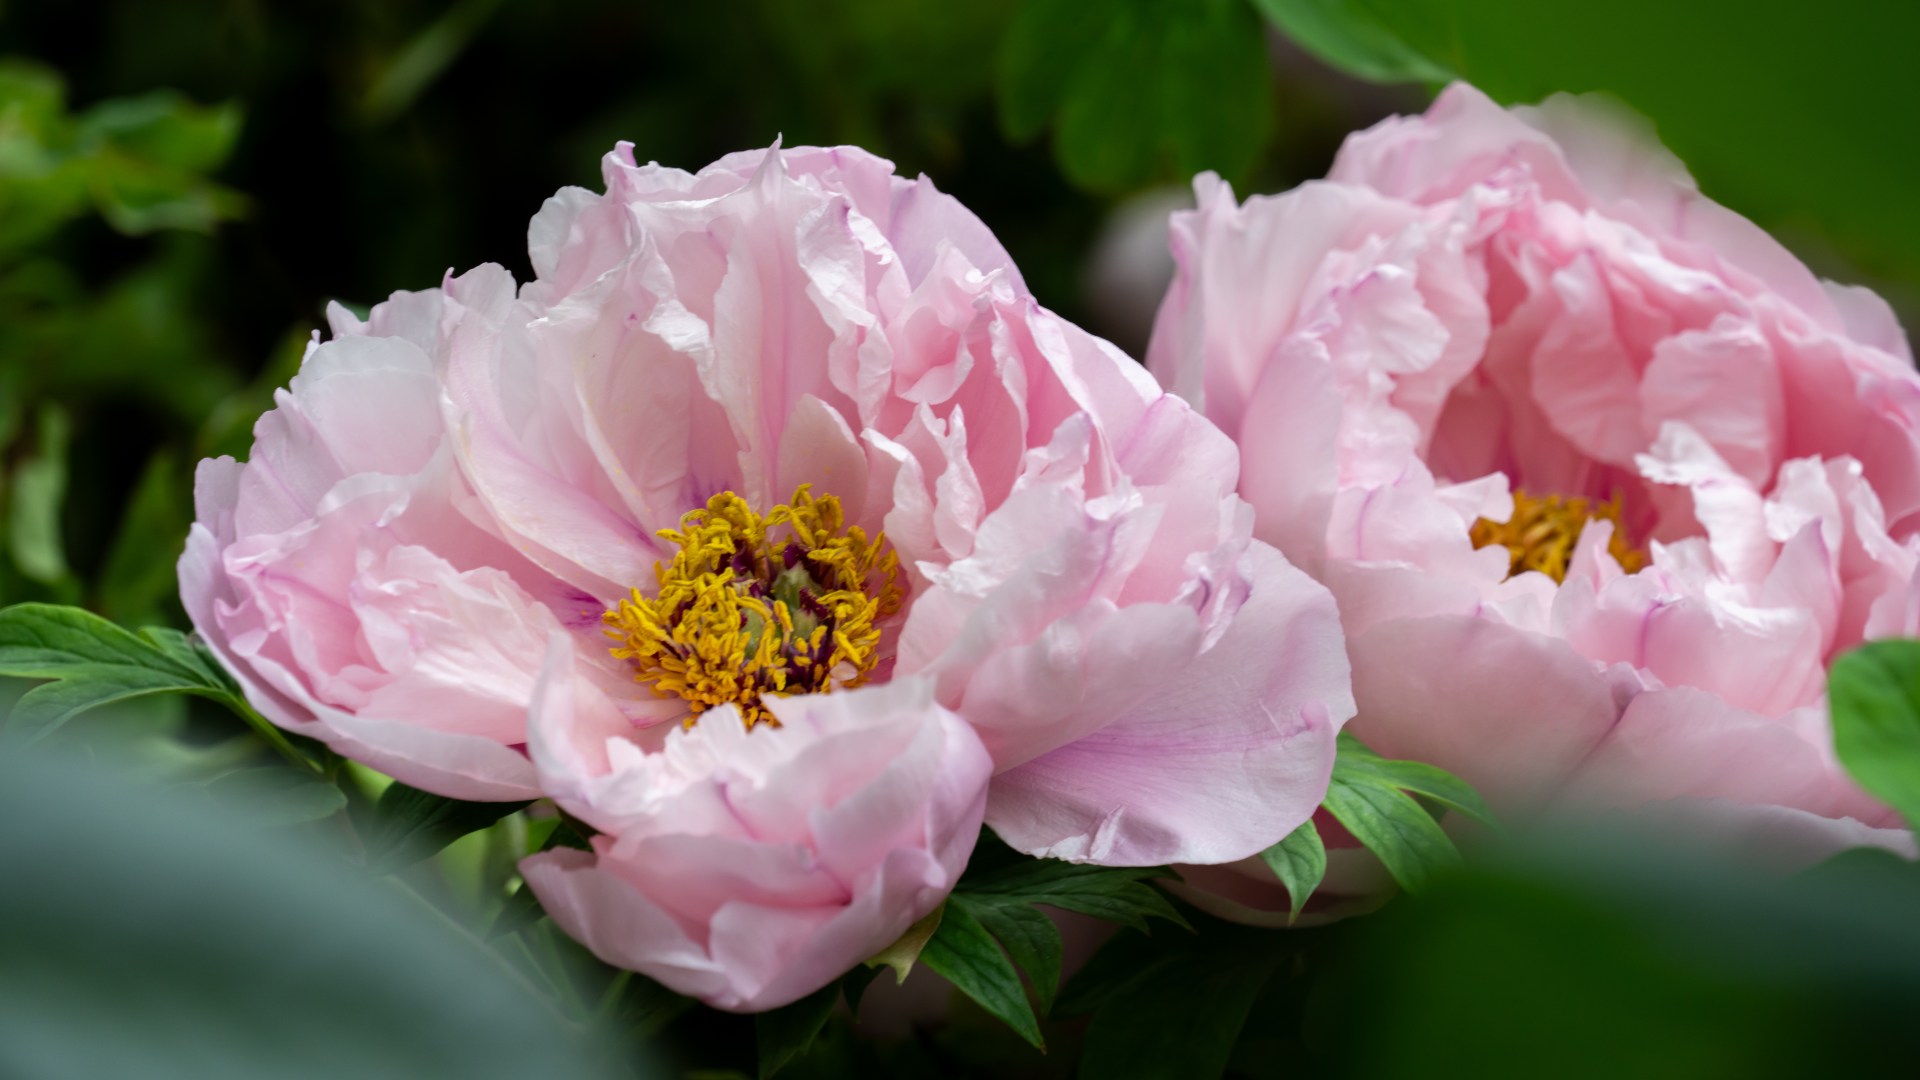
(773, 472)
(1601, 476)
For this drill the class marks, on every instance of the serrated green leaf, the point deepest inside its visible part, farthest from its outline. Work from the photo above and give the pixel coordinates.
(1357, 764)
(1299, 861)
(410, 825)
(1396, 828)
(52, 641)
(966, 955)
(1874, 695)
(44, 709)
(784, 1034)
(1349, 37)
(1115, 893)
(110, 663)
(1029, 937)
(276, 795)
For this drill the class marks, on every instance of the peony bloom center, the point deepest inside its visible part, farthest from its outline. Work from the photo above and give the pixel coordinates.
(785, 603)
(1544, 530)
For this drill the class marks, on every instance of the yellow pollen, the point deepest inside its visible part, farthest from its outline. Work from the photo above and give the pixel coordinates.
(1544, 530)
(751, 605)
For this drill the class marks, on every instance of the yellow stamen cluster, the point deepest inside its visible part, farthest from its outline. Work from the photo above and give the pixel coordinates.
(1544, 530)
(751, 605)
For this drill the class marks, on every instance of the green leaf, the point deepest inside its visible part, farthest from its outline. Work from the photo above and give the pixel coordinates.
(42, 710)
(148, 157)
(1138, 88)
(134, 919)
(38, 491)
(1175, 1007)
(423, 59)
(1349, 37)
(1874, 693)
(1299, 861)
(276, 795)
(140, 576)
(410, 825)
(106, 662)
(965, 954)
(784, 1034)
(1029, 937)
(1038, 59)
(1396, 828)
(854, 985)
(1358, 764)
(1115, 893)
(93, 661)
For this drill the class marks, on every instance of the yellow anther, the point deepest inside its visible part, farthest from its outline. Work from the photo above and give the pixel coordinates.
(1544, 530)
(754, 605)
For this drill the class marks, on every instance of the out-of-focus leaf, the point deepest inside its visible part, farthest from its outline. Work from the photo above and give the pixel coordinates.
(409, 825)
(228, 427)
(1874, 694)
(784, 1034)
(149, 935)
(1180, 1016)
(424, 58)
(164, 129)
(148, 157)
(275, 795)
(143, 336)
(41, 185)
(964, 953)
(1299, 861)
(1138, 87)
(1588, 954)
(35, 496)
(139, 574)
(1349, 36)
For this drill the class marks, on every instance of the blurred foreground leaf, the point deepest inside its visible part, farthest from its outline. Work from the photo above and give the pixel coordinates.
(1608, 954)
(1138, 88)
(147, 936)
